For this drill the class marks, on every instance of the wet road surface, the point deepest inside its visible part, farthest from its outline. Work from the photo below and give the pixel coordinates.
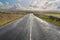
(29, 27)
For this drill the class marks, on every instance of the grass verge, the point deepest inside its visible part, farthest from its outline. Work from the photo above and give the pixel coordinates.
(46, 18)
(56, 15)
(7, 18)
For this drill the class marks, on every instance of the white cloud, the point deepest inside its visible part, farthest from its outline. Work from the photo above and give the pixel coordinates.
(1, 4)
(19, 6)
(19, 0)
(35, 4)
(45, 4)
(7, 6)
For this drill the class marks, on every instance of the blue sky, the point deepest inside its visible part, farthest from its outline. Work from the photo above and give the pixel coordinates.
(22, 2)
(10, 1)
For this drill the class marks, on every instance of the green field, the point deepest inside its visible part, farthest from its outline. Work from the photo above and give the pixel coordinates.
(46, 18)
(7, 18)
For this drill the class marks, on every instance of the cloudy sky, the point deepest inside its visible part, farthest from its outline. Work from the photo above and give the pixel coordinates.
(30, 4)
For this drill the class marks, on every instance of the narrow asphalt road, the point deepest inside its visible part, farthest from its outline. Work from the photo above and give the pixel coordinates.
(29, 27)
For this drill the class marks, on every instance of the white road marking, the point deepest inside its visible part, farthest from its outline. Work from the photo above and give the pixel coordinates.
(31, 18)
(30, 32)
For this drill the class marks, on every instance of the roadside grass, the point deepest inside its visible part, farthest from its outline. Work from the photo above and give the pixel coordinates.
(56, 15)
(46, 18)
(7, 18)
